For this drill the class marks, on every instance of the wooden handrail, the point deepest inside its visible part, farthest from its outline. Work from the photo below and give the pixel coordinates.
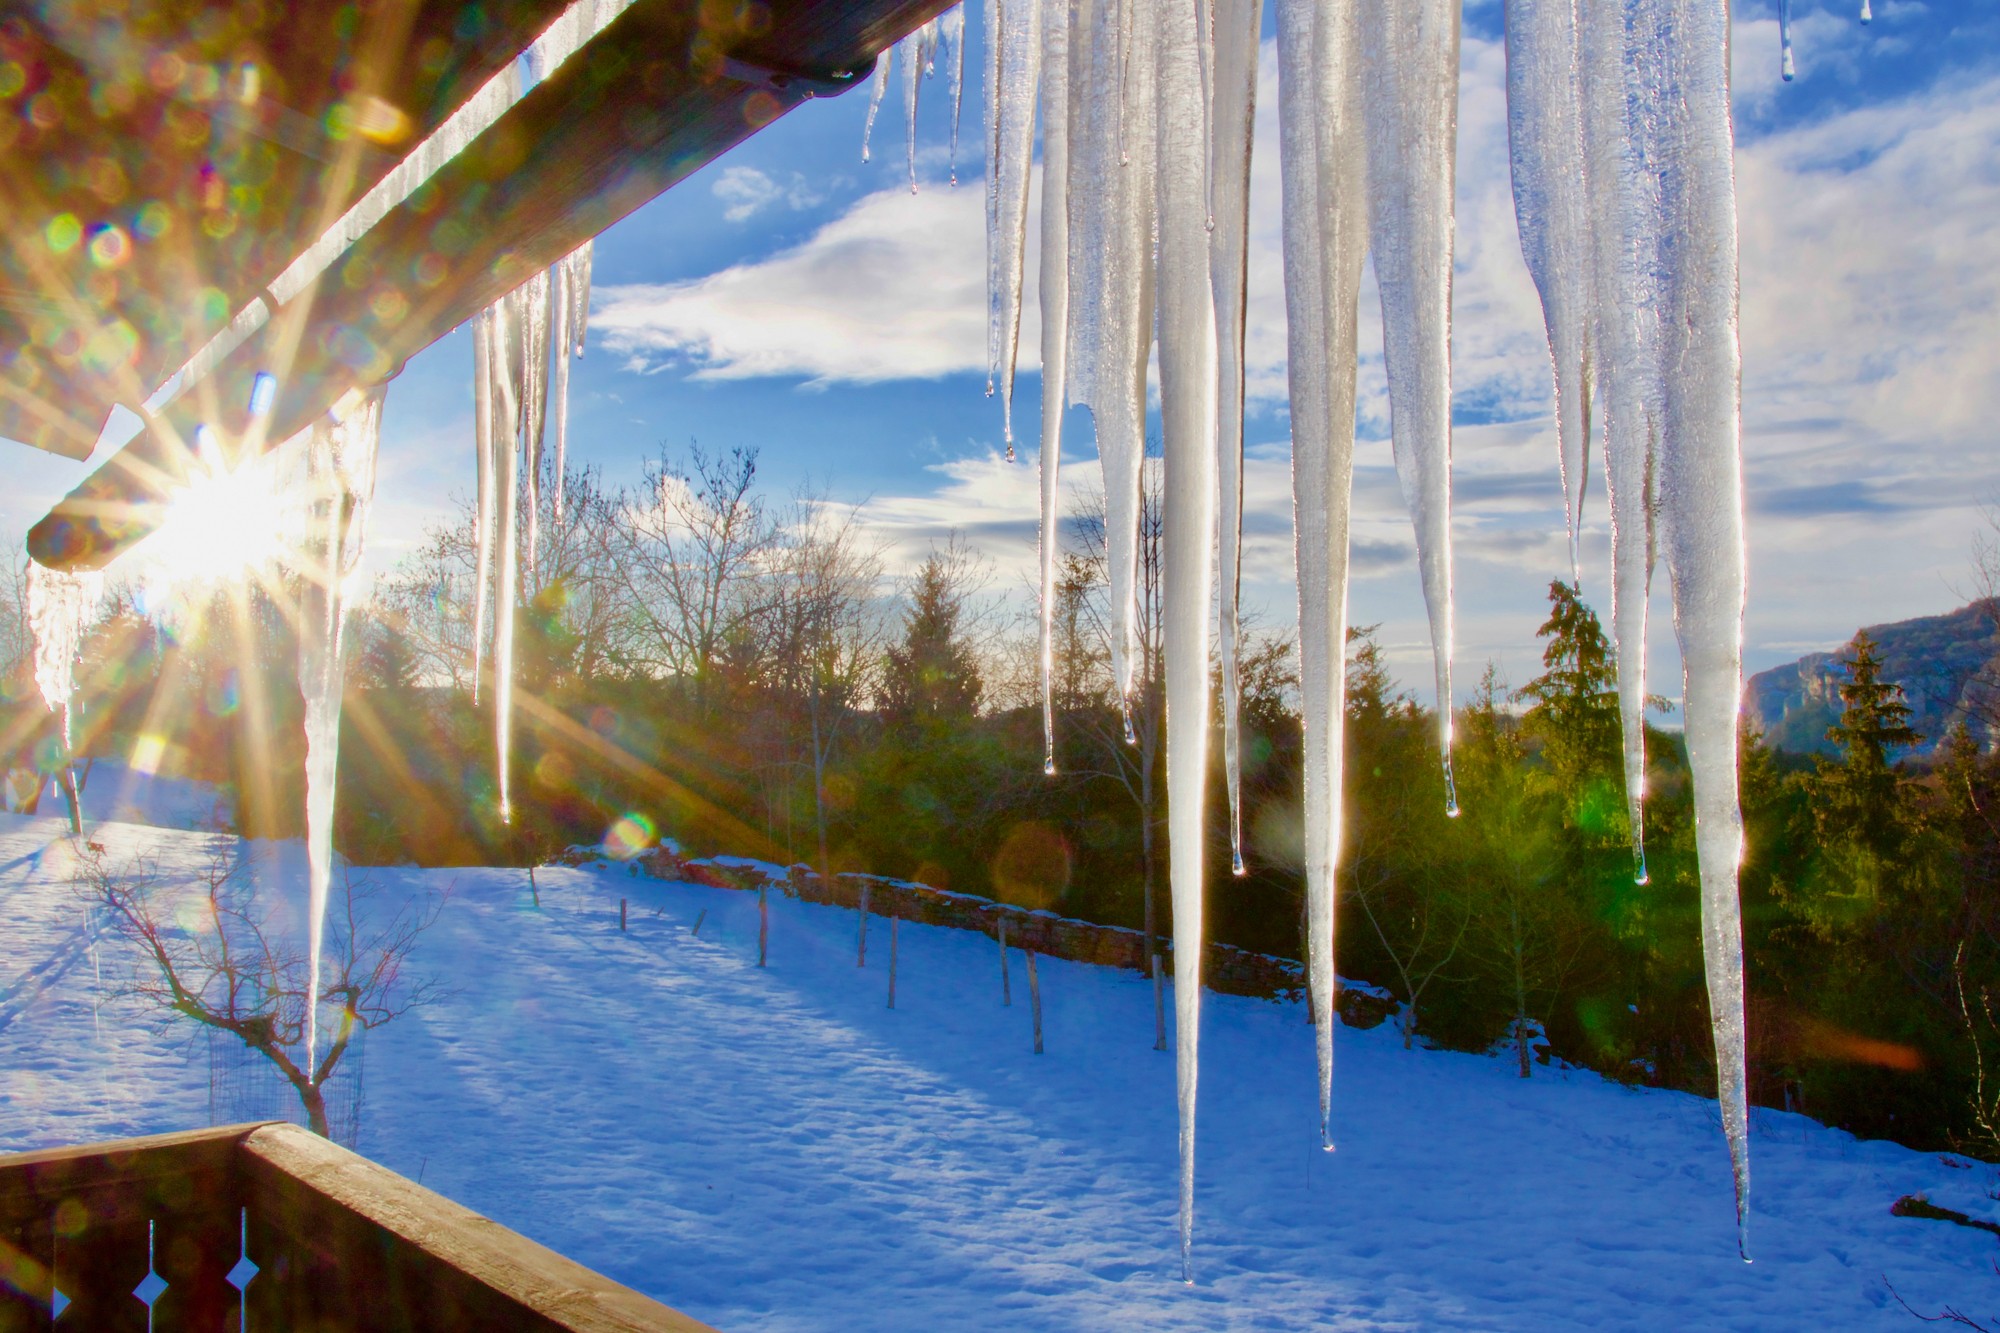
(340, 1242)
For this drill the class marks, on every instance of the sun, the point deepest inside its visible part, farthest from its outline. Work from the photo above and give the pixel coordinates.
(221, 526)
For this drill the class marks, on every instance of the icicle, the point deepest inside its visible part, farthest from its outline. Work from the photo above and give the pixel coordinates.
(1013, 68)
(1785, 65)
(1623, 235)
(61, 606)
(1055, 331)
(878, 87)
(509, 422)
(919, 52)
(1325, 238)
(1701, 494)
(952, 27)
(1237, 24)
(573, 314)
(1410, 89)
(1111, 286)
(482, 452)
(1551, 206)
(537, 297)
(1188, 417)
(340, 463)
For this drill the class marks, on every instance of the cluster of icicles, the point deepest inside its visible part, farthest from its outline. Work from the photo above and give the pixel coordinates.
(1621, 140)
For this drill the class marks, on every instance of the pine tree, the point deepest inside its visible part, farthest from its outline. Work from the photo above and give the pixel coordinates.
(933, 675)
(1573, 713)
(1861, 798)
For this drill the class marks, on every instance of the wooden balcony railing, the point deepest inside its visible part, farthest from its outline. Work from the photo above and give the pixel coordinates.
(268, 1227)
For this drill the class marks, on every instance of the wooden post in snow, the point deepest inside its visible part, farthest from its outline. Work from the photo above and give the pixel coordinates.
(893, 920)
(1006, 986)
(700, 917)
(532, 887)
(763, 924)
(861, 932)
(1159, 1007)
(1035, 999)
(621, 916)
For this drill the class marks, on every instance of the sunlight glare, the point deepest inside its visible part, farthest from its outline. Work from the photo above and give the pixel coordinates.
(220, 526)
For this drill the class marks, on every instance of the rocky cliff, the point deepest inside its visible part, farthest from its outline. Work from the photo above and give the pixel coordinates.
(1948, 666)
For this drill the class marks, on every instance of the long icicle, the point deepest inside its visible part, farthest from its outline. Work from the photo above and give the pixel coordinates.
(919, 55)
(878, 88)
(1624, 238)
(1238, 24)
(60, 607)
(483, 462)
(575, 314)
(1111, 205)
(1410, 77)
(537, 314)
(1325, 238)
(952, 34)
(1701, 495)
(341, 472)
(1551, 209)
(1188, 418)
(1013, 70)
(1055, 334)
(507, 432)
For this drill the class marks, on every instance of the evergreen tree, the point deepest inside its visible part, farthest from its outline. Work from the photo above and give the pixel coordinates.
(1862, 796)
(1573, 712)
(933, 675)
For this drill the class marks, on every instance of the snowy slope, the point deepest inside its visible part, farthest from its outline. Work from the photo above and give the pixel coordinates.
(776, 1149)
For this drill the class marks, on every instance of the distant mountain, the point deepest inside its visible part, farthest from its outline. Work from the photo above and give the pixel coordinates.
(1948, 666)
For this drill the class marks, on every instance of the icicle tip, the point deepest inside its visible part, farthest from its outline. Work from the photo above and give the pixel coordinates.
(1236, 866)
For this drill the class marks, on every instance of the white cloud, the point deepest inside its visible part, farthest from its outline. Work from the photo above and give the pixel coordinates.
(895, 288)
(1870, 271)
(747, 191)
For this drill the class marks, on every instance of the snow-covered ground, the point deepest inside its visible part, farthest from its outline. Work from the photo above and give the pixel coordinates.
(775, 1148)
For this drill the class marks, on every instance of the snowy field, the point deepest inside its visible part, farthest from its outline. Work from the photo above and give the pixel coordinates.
(776, 1149)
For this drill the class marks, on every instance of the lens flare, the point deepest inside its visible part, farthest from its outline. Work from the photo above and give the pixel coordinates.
(221, 525)
(147, 753)
(629, 835)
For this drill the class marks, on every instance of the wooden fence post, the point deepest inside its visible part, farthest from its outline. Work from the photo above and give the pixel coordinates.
(1159, 1008)
(861, 932)
(532, 888)
(893, 921)
(1035, 999)
(763, 924)
(1006, 986)
(700, 917)
(621, 915)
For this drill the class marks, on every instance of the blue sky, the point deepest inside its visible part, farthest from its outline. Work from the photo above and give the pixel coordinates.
(792, 298)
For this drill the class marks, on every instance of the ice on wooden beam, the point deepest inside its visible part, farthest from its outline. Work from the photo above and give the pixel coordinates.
(1233, 103)
(1188, 419)
(1325, 238)
(1055, 332)
(1013, 69)
(1551, 207)
(1409, 75)
(61, 606)
(340, 472)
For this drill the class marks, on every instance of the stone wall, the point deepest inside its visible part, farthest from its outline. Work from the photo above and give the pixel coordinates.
(1226, 969)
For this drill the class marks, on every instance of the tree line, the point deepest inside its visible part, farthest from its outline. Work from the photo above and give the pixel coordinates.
(698, 661)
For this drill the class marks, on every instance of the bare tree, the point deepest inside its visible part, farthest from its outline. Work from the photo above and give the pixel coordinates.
(1125, 751)
(821, 634)
(691, 542)
(210, 951)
